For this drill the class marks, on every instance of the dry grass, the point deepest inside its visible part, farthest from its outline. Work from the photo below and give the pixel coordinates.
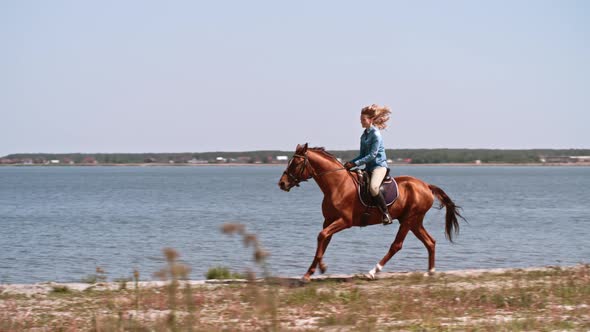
(515, 300)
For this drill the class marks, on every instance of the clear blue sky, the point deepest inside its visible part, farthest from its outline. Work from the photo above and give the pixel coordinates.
(194, 76)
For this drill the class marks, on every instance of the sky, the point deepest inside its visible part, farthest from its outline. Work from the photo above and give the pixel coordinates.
(199, 76)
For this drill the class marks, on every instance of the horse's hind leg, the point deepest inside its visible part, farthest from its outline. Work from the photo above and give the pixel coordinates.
(428, 242)
(396, 246)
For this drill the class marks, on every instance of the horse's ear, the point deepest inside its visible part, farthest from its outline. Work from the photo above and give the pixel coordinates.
(301, 148)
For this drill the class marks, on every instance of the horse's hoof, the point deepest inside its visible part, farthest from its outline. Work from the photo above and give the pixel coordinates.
(306, 279)
(323, 268)
(370, 276)
(430, 272)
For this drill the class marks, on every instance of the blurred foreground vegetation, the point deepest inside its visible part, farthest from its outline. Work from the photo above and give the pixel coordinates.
(516, 300)
(544, 299)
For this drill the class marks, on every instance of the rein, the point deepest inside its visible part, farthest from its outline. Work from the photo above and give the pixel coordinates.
(299, 178)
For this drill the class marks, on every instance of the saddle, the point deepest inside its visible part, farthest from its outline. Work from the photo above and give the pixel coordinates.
(388, 188)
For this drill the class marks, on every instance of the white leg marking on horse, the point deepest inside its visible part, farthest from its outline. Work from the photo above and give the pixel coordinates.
(430, 272)
(375, 270)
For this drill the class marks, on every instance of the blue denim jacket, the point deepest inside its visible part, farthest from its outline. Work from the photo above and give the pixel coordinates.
(372, 150)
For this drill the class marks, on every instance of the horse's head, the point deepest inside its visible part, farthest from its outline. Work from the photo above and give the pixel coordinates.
(297, 169)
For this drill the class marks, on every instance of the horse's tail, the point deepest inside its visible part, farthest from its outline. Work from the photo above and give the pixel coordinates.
(452, 224)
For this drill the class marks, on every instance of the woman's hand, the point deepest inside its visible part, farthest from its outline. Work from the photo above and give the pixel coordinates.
(349, 165)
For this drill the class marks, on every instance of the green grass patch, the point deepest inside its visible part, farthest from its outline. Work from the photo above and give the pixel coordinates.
(340, 319)
(221, 272)
(310, 295)
(60, 289)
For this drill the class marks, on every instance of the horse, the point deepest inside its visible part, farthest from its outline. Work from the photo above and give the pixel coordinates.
(342, 208)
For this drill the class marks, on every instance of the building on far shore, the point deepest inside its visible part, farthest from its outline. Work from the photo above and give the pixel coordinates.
(400, 161)
(581, 159)
(564, 159)
(197, 161)
(89, 160)
(245, 160)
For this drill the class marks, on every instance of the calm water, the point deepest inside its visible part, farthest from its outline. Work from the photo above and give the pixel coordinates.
(59, 223)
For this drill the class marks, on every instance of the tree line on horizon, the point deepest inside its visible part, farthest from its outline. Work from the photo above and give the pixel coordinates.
(412, 156)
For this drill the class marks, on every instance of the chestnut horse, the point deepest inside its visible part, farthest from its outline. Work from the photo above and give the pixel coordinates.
(342, 207)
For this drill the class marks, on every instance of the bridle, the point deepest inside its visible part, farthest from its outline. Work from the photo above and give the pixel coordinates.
(300, 177)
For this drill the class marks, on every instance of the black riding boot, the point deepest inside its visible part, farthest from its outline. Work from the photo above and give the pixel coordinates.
(380, 200)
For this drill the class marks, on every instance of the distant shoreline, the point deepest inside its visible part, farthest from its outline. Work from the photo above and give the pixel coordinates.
(284, 164)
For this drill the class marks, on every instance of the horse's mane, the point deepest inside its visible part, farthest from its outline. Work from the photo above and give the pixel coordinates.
(323, 151)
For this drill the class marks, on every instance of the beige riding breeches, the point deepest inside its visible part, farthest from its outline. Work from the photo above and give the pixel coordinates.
(376, 179)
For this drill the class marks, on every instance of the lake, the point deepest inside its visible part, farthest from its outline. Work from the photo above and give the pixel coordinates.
(60, 223)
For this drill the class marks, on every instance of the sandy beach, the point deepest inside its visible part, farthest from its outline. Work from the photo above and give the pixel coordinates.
(546, 298)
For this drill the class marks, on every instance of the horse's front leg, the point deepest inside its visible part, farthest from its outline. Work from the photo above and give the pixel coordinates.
(323, 241)
(323, 267)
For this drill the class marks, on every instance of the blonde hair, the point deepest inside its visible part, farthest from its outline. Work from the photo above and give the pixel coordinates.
(379, 115)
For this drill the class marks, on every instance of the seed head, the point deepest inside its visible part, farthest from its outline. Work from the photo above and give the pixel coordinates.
(136, 274)
(231, 228)
(171, 254)
(250, 239)
(260, 255)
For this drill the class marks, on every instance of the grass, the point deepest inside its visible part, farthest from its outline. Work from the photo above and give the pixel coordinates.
(517, 301)
(59, 289)
(99, 276)
(221, 272)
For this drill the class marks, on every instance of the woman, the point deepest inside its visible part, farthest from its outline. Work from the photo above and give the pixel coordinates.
(372, 154)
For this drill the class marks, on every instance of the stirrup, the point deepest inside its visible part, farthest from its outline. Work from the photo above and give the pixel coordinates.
(387, 219)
